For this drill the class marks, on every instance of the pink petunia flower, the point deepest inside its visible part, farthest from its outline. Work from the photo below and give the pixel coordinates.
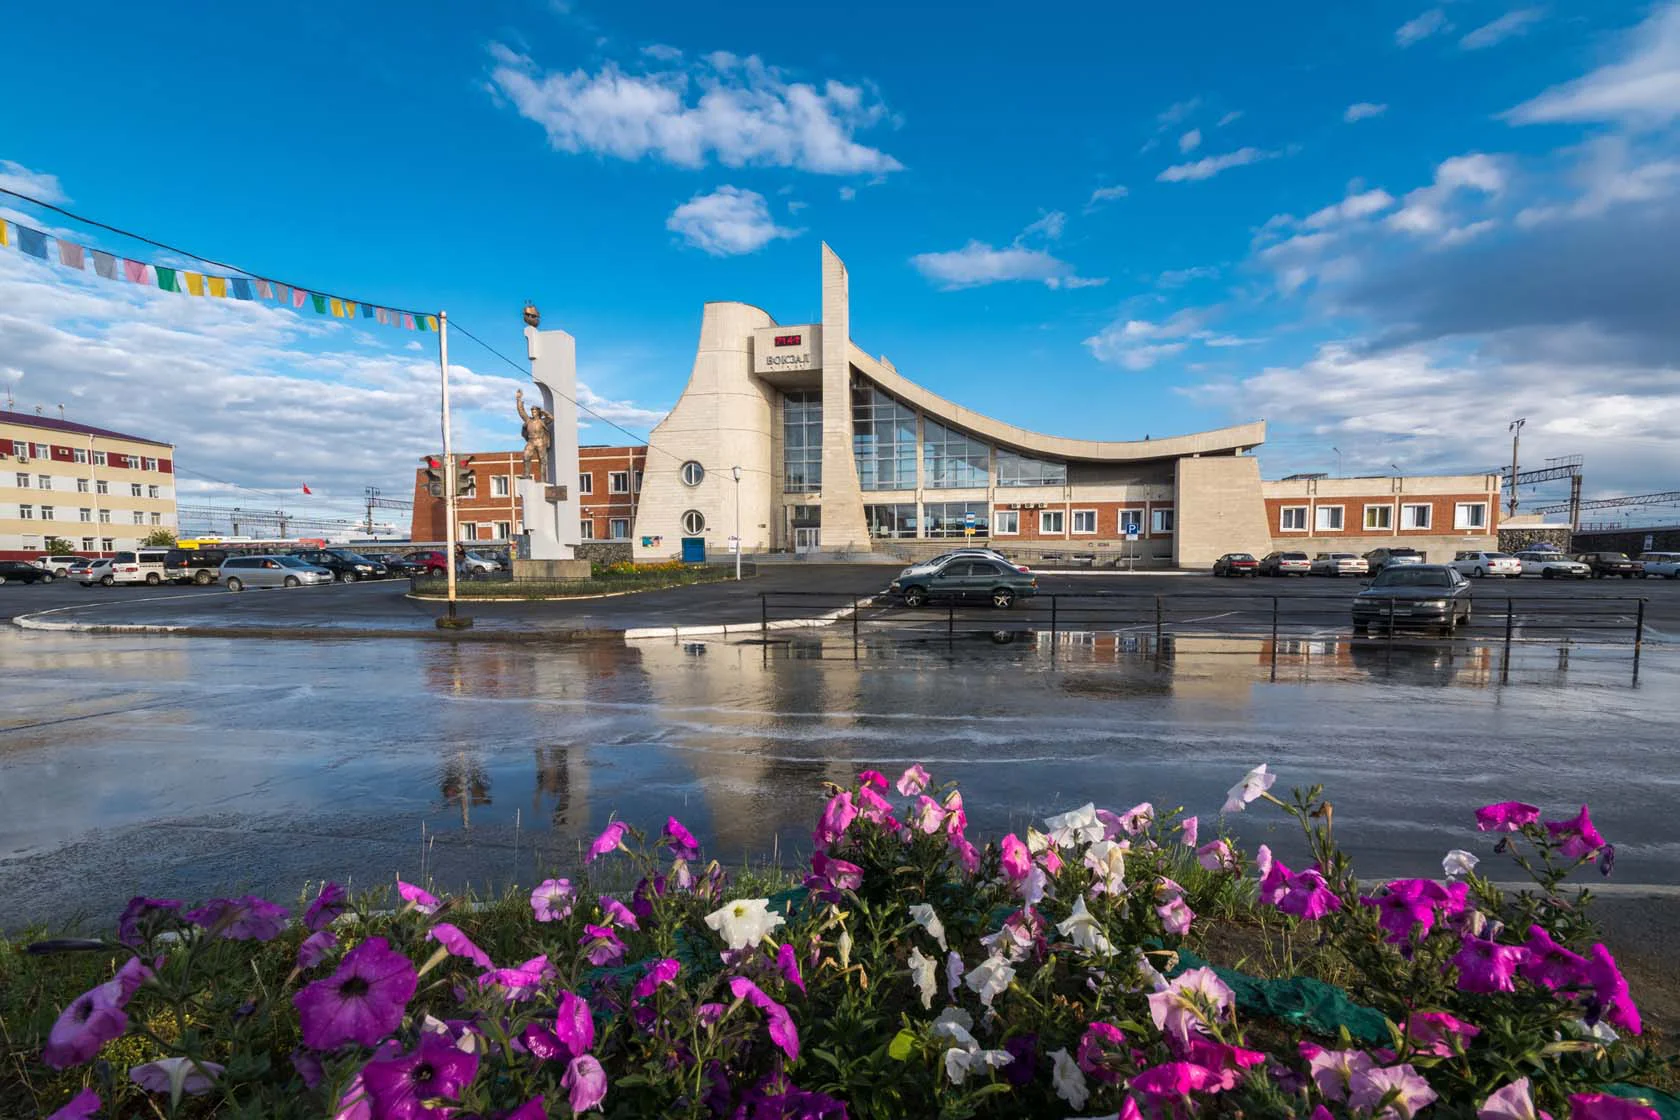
(1099, 1040)
(872, 778)
(662, 971)
(1371, 1086)
(1175, 917)
(874, 808)
(1176, 1079)
(327, 905)
(83, 1106)
(552, 900)
(1514, 1102)
(611, 839)
(141, 913)
(913, 781)
(837, 817)
(315, 949)
(574, 1024)
(1333, 1071)
(520, 983)
(601, 945)
(1549, 965)
(956, 819)
(782, 1030)
(1136, 820)
(1016, 859)
(1487, 966)
(1216, 855)
(1506, 816)
(1438, 1033)
(248, 918)
(1610, 991)
(1189, 830)
(1578, 837)
(1606, 1106)
(928, 816)
(361, 1002)
(617, 914)
(1307, 896)
(683, 843)
(93, 1018)
(533, 1109)
(1405, 904)
(787, 963)
(1180, 1009)
(424, 901)
(459, 944)
(967, 854)
(586, 1082)
(402, 1085)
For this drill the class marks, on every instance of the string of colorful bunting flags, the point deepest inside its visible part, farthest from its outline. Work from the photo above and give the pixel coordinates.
(33, 242)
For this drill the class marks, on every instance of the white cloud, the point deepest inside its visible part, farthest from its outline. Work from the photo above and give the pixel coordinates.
(1138, 344)
(1230, 118)
(1643, 89)
(1425, 209)
(663, 53)
(978, 263)
(727, 222)
(1049, 227)
(1351, 208)
(847, 193)
(1190, 141)
(1102, 195)
(1178, 277)
(738, 111)
(1177, 112)
(36, 184)
(1611, 173)
(1511, 23)
(1209, 166)
(1425, 25)
(628, 413)
(1363, 110)
(794, 206)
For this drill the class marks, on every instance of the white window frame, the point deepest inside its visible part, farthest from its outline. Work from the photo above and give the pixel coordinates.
(1318, 519)
(105, 517)
(1002, 517)
(43, 481)
(1428, 509)
(612, 482)
(23, 480)
(586, 482)
(79, 454)
(148, 464)
(1283, 520)
(99, 459)
(82, 486)
(689, 519)
(1074, 521)
(504, 530)
(40, 451)
(134, 490)
(1044, 516)
(499, 486)
(139, 517)
(102, 487)
(467, 531)
(48, 513)
(26, 511)
(1163, 522)
(613, 533)
(586, 527)
(692, 473)
(86, 514)
(157, 519)
(1385, 507)
(87, 544)
(1462, 522)
(151, 491)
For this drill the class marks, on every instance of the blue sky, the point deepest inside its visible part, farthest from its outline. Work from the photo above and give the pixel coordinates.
(1387, 228)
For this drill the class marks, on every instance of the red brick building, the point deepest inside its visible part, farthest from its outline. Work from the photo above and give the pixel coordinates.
(609, 482)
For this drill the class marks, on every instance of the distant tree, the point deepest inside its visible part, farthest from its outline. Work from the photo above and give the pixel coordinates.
(58, 546)
(159, 538)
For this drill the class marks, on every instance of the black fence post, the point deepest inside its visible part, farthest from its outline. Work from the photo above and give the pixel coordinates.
(1157, 626)
(951, 621)
(763, 617)
(1274, 635)
(856, 610)
(1639, 628)
(1052, 629)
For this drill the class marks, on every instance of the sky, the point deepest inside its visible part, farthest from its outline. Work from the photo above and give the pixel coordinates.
(1388, 229)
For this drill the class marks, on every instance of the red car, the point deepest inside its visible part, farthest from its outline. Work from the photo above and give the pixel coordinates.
(1236, 564)
(431, 563)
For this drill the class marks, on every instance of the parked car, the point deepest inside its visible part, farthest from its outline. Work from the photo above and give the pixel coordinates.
(1664, 564)
(968, 579)
(79, 567)
(1481, 564)
(400, 566)
(193, 565)
(476, 563)
(343, 564)
(1236, 564)
(1605, 564)
(239, 572)
(1552, 565)
(1285, 564)
(141, 566)
(427, 561)
(59, 566)
(937, 562)
(1379, 558)
(21, 571)
(1426, 594)
(1339, 564)
(99, 571)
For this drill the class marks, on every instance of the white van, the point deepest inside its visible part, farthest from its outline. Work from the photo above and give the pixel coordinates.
(142, 566)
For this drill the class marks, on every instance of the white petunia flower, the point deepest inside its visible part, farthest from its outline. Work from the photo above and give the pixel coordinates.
(958, 1062)
(1082, 928)
(1076, 826)
(843, 947)
(922, 971)
(1032, 887)
(954, 969)
(990, 978)
(1107, 859)
(1254, 783)
(956, 1024)
(744, 922)
(1036, 840)
(1068, 1079)
(1459, 862)
(1150, 973)
(928, 920)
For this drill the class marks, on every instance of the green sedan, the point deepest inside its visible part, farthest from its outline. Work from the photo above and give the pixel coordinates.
(968, 581)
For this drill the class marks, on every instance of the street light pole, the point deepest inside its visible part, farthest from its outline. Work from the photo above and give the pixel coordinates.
(736, 471)
(1338, 452)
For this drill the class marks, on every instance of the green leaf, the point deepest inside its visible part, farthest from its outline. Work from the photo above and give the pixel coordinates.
(899, 1048)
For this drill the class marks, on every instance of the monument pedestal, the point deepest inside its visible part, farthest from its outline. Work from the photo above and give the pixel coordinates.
(551, 569)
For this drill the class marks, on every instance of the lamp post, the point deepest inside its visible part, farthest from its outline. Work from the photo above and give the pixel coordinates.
(1338, 452)
(736, 471)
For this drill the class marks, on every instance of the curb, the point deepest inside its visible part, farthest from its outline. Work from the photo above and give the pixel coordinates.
(677, 633)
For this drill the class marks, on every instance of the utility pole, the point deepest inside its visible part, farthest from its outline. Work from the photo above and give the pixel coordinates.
(1338, 452)
(736, 471)
(449, 621)
(1515, 428)
(372, 493)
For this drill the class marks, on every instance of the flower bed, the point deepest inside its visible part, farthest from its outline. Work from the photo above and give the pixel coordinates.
(912, 974)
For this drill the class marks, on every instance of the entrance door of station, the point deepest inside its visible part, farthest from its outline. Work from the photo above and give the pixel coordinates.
(806, 539)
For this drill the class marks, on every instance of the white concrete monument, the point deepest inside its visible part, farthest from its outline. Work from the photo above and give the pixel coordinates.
(548, 490)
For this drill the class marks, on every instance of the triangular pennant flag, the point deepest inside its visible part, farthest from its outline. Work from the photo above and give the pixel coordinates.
(320, 303)
(32, 241)
(241, 288)
(408, 320)
(195, 282)
(265, 290)
(349, 309)
(218, 286)
(5, 233)
(298, 297)
(367, 310)
(431, 322)
(105, 264)
(134, 271)
(70, 255)
(167, 281)
(337, 307)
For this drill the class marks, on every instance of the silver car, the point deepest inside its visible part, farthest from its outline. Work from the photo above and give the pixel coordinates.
(239, 572)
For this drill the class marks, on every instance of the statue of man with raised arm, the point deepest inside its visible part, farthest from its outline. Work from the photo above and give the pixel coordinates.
(535, 423)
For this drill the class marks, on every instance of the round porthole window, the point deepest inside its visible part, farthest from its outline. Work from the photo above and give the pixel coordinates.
(694, 523)
(692, 473)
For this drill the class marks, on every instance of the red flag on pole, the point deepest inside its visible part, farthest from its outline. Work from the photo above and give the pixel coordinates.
(306, 489)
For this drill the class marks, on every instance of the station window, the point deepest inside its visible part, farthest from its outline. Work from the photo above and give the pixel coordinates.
(1415, 516)
(802, 436)
(84, 514)
(693, 523)
(1470, 515)
(79, 454)
(134, 490)
(99, 461)
(896, 520)
(44, 481)
(23, 480)
(1015, 469)
(883, 440)
(1006, 522)
(87, 544)
(48, 513)
(151, 491)
(1329, 519)
(951, 460)
(139, 518)
(26, 512)
(102, 487)
(1293, 519)
(950, 519)
(693, 473)
(148, 464)
(1084, 521)
(1050, 522)
(1160, 521)
(1379, 517)
(82, 486)
(104, 517)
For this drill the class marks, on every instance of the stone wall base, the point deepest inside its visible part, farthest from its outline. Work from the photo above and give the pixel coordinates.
(551, 569)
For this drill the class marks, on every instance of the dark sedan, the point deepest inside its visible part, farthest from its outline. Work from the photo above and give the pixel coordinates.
(16, 571)
(1236, 564)
(970, 580)
(1417, 594)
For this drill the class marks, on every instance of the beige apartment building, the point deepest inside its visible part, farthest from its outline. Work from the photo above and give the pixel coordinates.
(100, 490)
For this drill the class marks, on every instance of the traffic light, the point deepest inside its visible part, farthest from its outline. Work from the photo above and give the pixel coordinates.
(466, 486)
(434, 475)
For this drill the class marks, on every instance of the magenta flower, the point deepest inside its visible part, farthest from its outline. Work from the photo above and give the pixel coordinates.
(782, 1031)
(552, 900)
(361, 1002)
(663, 971)
(1228, 1062)
(241, 919)
(1189, 830)
(787, 963)
(956, 819)
(520, 983)
(1578, 836)
(586, 1081)
(130, 977)
(574, 1025)
(1176, 1079)
(1370, 1086)
(1175, 917)
(141, 913)
(1440, 1034)
(1181, 1008)
(1404, 904)
(611, 838)
(1487, 966)
(683, 843)
(1506, 816)
(1216, 855)
(967, 854)
(1549, 965)
(913, 781)
(1605, 1106)
(1333, 1071)
(163, 1075)
(1274, 882)
(1016, 858)
(423, 900)
(82, 1106)
(533, 1109)
(837, 817)
(403, 1086)
(601, 945)
(1307, 896)
(1610, 991)
(327, 905)
(833, 874)
(1098, 1041)
(315, 949)
(617, 914)
(872, 778)
(93, 1018)
(541, 1043)
(1136, 820)
(1050, 861)
(459, 944)
(928, 816)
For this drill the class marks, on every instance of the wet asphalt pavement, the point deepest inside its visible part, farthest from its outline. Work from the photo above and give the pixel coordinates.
(192, 765)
